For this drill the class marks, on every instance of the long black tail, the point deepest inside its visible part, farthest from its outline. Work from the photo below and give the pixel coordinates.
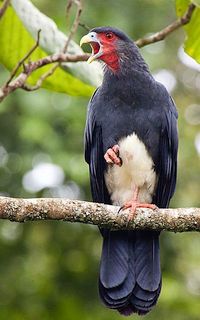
(130, 276)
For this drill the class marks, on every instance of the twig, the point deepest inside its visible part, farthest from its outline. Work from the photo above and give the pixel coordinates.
(158, 36)
(4, 7)
(84, 26)
(39, 82)
(75, 23)
(21, 62)
(175, 220)
(68, 9)
(71, 34)
(20, 80)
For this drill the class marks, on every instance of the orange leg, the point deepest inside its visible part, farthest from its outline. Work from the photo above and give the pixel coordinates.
(134, 204)
(112, 156)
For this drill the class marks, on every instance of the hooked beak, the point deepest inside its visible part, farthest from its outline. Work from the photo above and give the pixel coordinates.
(95, 44)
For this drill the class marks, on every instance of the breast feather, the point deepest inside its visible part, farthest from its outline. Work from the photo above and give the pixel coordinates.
(137, 170)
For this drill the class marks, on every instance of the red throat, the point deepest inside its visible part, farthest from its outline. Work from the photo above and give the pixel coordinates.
(112, 60)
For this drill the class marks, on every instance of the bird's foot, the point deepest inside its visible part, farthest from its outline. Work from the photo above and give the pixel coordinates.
(112, 156)
(133, 205)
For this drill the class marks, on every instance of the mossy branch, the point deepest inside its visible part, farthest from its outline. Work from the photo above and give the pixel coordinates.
(107, 216)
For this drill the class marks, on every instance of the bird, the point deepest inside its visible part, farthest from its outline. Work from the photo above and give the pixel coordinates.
(131, 144)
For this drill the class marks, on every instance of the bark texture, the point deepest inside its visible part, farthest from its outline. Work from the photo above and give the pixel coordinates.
(175, 220)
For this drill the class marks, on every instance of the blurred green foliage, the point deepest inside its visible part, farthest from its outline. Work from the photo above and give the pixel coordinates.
(49, 270)
(13, 49)
(192, 43)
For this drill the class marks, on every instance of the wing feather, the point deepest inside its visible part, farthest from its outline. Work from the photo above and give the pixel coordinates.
(167, 165)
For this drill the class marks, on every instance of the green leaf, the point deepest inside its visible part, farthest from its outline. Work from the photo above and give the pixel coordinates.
(196, 2)
(192, 42)
(15, 42)
(52, 40)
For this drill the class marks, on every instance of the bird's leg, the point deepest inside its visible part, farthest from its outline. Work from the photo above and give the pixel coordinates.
(134, 204)
(112, 156)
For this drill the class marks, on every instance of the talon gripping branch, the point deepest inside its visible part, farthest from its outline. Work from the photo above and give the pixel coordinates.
(131, 147)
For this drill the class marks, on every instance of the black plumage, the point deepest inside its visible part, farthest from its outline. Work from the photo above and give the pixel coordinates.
(131, 101)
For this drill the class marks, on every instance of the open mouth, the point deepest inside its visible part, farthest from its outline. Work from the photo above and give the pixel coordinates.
(95, 44)
(96, 51)
(95, 47)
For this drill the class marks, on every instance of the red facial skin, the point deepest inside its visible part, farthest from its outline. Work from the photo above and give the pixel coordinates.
(110, 57)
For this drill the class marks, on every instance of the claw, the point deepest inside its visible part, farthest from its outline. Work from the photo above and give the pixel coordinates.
(112, 156)
(133, 205)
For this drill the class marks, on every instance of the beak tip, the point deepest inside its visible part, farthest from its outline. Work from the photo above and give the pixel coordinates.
(81, 43)
(89, 60)
(84, 39)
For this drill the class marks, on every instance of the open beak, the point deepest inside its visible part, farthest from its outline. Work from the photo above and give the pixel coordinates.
(92, 39)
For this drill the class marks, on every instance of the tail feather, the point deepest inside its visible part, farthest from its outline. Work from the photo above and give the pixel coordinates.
(130, 277)
(147, 263)
(110, 302)
(127, 311)
(147, 303)
(125, 289)
(115, 259)
(145, 295)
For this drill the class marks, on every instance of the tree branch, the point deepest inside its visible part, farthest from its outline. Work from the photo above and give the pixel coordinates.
(84, 26)
(19, 81)
(73, 30)
(75, 24)
(107, 216)
(161, 35)
(4, 7)
(22, 61)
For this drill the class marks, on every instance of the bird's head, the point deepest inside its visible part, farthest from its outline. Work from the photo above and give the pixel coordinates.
(108, 45)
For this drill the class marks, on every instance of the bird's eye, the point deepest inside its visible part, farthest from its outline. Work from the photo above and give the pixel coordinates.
(109, 35)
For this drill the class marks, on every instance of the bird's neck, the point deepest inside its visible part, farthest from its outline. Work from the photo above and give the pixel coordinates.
(130, 75)
(129, 80)
(125, 64)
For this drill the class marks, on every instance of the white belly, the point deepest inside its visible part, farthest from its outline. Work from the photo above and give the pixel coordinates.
(137, 170)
